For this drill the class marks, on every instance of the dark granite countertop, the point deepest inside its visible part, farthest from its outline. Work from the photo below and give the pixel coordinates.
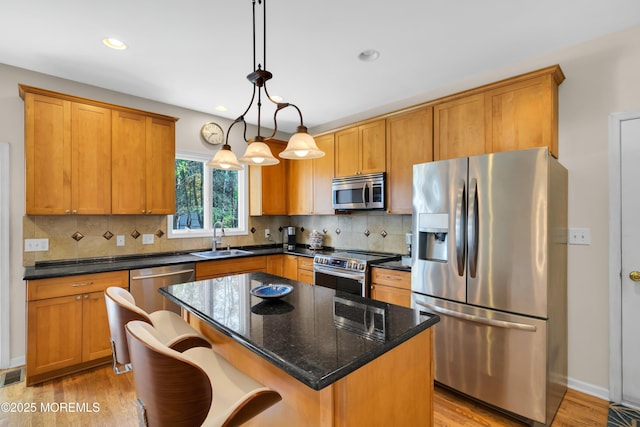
(394, 265)
(50, 269)
(304, 333)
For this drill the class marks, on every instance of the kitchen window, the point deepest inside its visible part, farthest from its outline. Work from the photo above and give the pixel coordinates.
(204, 196)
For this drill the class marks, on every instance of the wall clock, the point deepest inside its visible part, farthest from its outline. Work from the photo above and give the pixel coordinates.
(212, 133)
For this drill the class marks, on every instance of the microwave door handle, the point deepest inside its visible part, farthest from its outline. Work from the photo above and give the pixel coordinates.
(364, 194)
(460, 226)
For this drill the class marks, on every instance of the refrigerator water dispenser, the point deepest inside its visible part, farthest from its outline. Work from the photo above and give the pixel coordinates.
(433, 235)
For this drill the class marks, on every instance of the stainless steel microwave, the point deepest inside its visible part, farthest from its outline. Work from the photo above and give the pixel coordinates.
(359, 192)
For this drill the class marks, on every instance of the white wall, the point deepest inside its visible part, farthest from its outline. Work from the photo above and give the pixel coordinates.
(602, 76)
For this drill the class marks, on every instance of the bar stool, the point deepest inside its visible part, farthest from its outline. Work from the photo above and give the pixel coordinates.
(122, 308)
(195, 387)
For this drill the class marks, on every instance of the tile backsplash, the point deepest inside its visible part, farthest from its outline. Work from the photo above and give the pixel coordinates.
(371, 231)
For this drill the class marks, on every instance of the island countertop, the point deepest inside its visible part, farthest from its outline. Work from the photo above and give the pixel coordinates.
(315, 334)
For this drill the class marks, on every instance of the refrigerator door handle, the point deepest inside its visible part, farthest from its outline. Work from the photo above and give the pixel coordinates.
(478, 319)
(472, 227)
(461, 210)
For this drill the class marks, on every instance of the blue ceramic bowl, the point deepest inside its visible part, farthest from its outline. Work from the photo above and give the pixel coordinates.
(271, 290)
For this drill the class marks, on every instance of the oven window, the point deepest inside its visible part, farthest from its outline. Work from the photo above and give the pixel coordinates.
(351, 286)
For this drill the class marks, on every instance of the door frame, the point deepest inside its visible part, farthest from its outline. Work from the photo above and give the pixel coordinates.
(5, 289)
(615, 253)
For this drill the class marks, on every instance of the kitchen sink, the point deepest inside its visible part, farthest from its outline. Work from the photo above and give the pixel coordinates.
(221, 254)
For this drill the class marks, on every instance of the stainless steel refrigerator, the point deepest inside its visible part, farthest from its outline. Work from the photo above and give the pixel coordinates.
(490, 256)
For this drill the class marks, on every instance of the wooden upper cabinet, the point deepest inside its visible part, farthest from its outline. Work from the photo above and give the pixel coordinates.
(47, 139)
(68, 157)
(513, 114)
(459, 127)
(129, 173)
(90, 159)
(524, 115)
(161, 165)
(300, 187)
(409, 142)
(93, 158)
(361, 149)
(268, 185)
(143, 164)
(323, 175)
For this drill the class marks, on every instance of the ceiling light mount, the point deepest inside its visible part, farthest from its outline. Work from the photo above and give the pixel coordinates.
(301, 145)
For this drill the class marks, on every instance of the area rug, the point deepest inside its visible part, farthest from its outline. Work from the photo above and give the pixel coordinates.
(622, 416)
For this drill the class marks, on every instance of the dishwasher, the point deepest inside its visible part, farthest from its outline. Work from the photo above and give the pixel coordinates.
(145, 282)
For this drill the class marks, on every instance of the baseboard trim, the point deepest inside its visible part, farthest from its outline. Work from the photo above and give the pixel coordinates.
(593, 390)
(17, 361)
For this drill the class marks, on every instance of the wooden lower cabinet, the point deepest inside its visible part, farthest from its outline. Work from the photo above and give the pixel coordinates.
(391, 286)
(290, 267)
(67, 326)
(275, 264)
(224, 267)
(305, 270)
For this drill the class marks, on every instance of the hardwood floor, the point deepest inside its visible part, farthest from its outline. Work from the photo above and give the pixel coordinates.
(115, 399)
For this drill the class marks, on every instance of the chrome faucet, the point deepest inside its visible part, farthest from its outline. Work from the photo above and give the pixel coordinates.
(216, 241)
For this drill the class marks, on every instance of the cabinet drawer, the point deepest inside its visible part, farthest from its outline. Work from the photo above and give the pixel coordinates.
(74, 285)
(395, 278)
(305, 276)
(230, 266)
(305, 263)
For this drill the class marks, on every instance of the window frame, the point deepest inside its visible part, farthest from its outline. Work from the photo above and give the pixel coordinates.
(207, 231)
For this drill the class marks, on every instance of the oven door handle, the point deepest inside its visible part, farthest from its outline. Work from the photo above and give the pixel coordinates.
(333, 272)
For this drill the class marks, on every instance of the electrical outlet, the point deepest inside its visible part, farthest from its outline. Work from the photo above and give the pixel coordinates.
(147, 239)
(120, 240)
(579, 236)
(36, 245)
(267, 233)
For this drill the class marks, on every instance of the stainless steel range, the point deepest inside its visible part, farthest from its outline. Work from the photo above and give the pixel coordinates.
(346, 271)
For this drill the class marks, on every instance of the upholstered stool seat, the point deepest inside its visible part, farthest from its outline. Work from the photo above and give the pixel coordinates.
(174, 331)
(195, 387)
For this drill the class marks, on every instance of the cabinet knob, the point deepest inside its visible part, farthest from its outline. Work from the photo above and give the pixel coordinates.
(143, 211)
(86, 296)
(635, 276)
(67, 211)
(78, 298)
(149, 211)
(75, 211)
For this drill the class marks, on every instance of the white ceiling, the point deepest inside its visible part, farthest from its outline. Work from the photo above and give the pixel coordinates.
(196, 53)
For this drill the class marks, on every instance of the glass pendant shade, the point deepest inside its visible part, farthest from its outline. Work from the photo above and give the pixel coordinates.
(301, 146)
(258, 154)
(225, 160)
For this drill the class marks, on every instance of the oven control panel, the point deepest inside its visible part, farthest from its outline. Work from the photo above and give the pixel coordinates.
(347, 264)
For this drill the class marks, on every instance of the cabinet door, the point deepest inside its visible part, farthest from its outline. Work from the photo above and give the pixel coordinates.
(409, 142)
(90, 159)
(128, 163)
(275, 264)
(160, 193)
(372, 147)
(459, 128)
(47, 155)
(322, 176)
(391, 295)
(290, 267)
(54, 334)
(95, 327)
(268, 185)
(347, 152)
(300, 187)
(522, 115)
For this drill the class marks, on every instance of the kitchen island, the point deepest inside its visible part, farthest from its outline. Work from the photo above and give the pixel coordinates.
(337, 359)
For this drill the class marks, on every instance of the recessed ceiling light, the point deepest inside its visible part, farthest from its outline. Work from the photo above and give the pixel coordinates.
(369, 55)
(221, 108)
(114, 43)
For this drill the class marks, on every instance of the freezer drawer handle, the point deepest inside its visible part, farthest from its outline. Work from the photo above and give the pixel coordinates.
(173, 273)
(479, 319)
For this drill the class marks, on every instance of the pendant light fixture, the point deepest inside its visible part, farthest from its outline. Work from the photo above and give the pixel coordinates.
(301, 145)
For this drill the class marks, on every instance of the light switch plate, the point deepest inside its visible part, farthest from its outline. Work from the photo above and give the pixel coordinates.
(147, 239)
(36, 245)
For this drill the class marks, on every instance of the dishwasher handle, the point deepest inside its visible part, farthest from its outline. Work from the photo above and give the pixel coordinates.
(478, 319)
(171, 273)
